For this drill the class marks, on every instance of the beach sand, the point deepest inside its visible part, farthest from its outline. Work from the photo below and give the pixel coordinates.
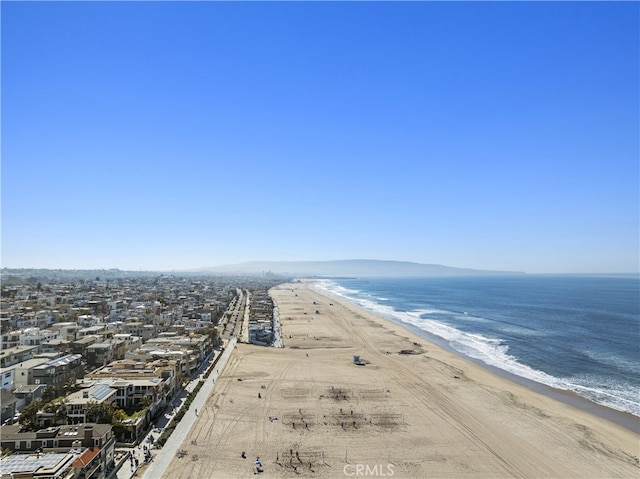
(421, 415)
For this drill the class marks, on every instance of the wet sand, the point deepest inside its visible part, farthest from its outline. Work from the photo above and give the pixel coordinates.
(413, 410)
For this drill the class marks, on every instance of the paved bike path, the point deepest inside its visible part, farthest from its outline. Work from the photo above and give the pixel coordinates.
(162, 457)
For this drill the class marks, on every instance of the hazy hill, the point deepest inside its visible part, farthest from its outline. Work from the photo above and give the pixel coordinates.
(355, 267)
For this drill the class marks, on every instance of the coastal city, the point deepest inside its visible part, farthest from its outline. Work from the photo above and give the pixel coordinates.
(117, 375)
(99, 368)
(319, 240)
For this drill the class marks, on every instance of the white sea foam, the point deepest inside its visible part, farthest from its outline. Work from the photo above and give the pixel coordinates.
(335, 289)
(492, 351)
(605, 391)
(487, 350)
(623, 364)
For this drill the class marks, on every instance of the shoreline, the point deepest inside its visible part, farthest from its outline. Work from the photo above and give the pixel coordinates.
(311, 410)
(622, 418)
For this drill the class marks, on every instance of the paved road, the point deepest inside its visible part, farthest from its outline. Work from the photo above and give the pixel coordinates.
(162, 457)
(233, 322)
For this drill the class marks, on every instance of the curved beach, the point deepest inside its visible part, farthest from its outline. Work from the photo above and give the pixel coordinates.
(409, 410)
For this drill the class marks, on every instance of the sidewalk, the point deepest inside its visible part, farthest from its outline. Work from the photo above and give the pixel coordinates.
(128, 468)
(164, 456)
(244, 332)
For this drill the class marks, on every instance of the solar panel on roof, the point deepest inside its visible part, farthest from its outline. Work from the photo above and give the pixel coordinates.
(101, 392)
(29, 462)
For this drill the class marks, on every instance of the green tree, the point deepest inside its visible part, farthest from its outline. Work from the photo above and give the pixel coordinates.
(6, 452)
(49, 394)
(104, 413)
(29, 414)
(69, 387)
(57, 407)
(146, 402)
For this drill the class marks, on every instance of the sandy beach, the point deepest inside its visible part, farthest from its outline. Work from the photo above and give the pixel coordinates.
(412, 410)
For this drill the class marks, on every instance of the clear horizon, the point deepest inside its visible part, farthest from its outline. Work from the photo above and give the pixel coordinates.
(166, 136)
(210, 269)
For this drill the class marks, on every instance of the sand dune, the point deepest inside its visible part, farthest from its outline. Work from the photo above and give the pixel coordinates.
(308, 410)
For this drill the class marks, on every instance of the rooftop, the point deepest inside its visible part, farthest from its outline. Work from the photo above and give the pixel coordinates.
(86, 457)
(18, 463)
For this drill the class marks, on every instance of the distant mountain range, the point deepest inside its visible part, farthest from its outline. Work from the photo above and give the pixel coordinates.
(354, 267)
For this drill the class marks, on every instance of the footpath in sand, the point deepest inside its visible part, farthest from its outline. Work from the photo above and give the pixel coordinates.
(412, 411)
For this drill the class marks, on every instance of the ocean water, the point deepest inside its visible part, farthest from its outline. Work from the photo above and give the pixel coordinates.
(577, 333)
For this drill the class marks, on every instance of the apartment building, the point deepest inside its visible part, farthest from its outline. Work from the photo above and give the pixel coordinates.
(56, 346)
(132, 342)
(36, 336)
(17, 354)
(67, 330)
(101, 354)
(10, 339)
(136, 381)
(94, 330)
(23, 372)
(83, 451)
(59, 371)
(6, 377)
(77, 402)
(57, 438)
(31, 466)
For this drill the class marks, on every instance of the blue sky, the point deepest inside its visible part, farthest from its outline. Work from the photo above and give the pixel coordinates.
(499, 135)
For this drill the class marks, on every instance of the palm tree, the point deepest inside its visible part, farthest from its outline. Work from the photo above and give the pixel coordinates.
(103, 413)
(57, 407)
(49, 394)
(29, 414)
(69, 387)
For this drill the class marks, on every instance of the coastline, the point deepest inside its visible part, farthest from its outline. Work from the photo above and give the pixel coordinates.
(623, 418)
(307, 409)
(572, 398)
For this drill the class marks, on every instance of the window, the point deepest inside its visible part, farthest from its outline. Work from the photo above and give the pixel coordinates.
(17, 445)
(36, 381)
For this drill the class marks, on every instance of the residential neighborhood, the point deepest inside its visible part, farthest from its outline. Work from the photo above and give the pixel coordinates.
(93, 364)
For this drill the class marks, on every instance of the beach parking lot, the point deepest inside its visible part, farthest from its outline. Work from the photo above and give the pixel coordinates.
(353, 395)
